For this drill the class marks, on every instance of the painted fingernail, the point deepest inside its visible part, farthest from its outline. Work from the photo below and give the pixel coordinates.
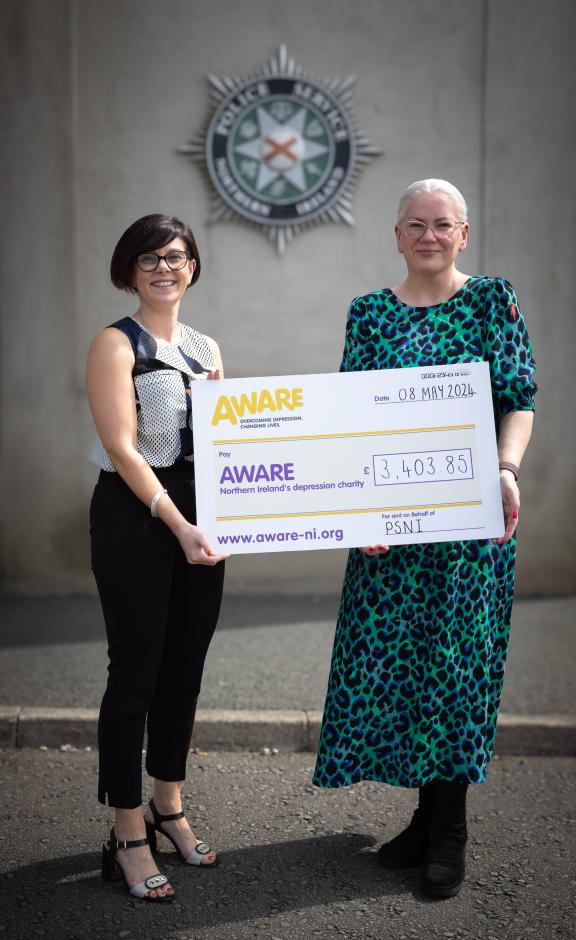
(515, 514)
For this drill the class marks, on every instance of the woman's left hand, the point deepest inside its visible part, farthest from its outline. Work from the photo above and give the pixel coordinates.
(214, 375)
(510, 505)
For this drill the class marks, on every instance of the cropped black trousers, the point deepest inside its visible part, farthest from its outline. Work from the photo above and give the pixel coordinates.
(160, 614)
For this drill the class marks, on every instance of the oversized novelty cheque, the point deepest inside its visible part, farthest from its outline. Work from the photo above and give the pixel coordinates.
(296, 462)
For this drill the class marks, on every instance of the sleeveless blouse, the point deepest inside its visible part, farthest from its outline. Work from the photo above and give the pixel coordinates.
(163, 374)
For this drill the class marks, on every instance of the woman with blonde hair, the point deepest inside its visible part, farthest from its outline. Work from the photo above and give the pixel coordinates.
(422, 634)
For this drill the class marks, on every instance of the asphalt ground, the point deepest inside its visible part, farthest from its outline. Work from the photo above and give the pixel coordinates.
(268, 653)
(296, 862)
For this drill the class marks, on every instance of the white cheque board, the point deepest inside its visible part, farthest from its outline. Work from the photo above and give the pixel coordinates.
(295, 462)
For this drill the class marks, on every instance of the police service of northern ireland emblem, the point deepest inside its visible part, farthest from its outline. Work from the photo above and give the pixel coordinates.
(281, 149)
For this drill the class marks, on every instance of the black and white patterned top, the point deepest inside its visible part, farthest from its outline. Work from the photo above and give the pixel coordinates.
(163, 374)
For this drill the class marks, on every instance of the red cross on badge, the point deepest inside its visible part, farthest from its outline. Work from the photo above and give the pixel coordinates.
(279, 148)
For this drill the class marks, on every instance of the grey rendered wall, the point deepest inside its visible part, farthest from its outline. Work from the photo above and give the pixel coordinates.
(42, 395)
(99, 96)
(529, 203)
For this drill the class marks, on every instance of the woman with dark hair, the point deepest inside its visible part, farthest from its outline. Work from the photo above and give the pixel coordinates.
(159, 581)
(422, 634)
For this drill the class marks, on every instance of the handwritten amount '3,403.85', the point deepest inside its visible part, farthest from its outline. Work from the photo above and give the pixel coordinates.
(426, 467)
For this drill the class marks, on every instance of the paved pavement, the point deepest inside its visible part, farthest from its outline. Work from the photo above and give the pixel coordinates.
(265, 675)
(296, 862)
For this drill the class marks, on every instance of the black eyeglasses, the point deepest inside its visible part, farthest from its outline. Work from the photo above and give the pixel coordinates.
(174, 259)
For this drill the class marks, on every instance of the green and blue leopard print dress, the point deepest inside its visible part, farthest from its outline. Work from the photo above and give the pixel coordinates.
(422, 633)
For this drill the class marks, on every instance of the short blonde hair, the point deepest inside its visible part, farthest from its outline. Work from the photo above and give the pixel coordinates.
(434, 186)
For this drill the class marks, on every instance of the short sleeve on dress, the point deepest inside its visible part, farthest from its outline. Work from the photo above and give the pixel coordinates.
(508, 351)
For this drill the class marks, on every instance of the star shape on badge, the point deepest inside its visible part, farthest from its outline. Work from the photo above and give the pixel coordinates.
(281, 149)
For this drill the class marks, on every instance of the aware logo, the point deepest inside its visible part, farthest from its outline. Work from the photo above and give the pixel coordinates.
(230, 408)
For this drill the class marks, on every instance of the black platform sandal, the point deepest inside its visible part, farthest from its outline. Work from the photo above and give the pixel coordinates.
(197, 854)
(110, 863)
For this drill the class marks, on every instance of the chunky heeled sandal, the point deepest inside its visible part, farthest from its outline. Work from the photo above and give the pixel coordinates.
(110, 863)
(195, 857)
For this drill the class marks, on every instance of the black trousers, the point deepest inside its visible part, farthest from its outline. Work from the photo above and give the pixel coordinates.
(160, 614)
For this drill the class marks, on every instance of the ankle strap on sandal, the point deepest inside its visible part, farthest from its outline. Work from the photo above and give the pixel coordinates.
(115, 843)
(159, 818)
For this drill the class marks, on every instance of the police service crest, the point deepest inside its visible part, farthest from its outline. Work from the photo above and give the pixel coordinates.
(281, 149)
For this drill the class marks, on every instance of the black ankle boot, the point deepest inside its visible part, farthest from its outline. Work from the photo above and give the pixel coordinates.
(408, 849)
(444, 866)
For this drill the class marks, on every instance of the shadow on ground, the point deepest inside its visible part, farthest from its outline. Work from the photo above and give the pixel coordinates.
(65, 897)
(42, 621)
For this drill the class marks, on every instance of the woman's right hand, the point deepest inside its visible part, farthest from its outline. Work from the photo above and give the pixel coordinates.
(196, 546)
(375, 550)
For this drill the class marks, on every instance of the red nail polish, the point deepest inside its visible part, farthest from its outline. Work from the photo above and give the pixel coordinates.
(515, 514)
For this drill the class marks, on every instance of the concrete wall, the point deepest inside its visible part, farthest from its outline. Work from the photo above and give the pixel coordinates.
(530, 197)
(42, 396)
(97, 99)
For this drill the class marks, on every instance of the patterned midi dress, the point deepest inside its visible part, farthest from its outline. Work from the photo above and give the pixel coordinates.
(422, 633)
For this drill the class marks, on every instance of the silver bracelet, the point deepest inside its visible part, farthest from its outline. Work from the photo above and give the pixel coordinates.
(154, 502)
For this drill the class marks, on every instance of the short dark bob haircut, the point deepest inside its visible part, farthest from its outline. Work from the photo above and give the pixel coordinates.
(147, 234)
